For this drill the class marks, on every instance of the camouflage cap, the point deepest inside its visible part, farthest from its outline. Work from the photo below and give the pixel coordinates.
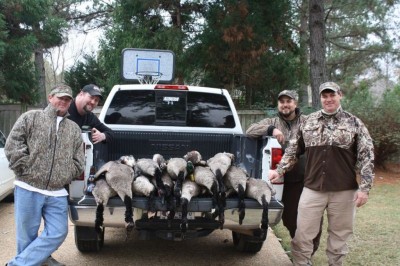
(289, 93)
(61, 90)
(329, 86)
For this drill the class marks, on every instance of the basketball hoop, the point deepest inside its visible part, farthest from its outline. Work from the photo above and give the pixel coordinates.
(148, 77)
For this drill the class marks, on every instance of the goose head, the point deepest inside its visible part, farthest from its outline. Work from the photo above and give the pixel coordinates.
(128, 160)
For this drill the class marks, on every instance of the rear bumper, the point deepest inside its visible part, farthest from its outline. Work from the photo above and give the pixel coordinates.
(82, 212)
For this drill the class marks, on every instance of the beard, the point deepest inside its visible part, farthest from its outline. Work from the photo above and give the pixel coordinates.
(87, 109)
(286, 114)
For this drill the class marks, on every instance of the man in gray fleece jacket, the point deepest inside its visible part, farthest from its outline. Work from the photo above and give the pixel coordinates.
(45, 151)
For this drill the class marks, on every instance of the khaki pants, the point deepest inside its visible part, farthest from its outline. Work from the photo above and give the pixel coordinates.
(340, 207)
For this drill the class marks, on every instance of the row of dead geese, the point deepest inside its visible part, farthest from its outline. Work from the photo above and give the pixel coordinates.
(176, 182)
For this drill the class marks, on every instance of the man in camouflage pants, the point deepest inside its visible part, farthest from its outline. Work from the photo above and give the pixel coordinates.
(335, 143)
(284, 127)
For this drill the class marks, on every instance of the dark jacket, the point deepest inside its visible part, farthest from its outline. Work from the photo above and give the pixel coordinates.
(90, 120)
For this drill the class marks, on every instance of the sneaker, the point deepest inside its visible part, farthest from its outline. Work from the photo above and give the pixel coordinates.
(52, 262)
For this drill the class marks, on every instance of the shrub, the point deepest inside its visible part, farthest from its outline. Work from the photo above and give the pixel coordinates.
(382, 118)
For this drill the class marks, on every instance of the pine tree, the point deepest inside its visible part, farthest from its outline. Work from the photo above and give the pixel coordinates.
(31, 29)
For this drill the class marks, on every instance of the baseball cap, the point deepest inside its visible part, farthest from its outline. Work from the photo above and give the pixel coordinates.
(289, 93)
(61, 90)
(329, 86)
(92, 90)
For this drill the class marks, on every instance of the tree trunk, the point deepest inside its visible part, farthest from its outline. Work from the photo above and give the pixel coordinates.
(39, 63)
(177, 12)
(304, 52)
(317, 48)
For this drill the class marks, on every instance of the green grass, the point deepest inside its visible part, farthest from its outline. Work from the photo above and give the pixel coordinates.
(376, 239)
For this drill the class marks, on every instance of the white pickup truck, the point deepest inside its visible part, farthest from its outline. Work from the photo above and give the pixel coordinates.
(7, 176)
(172, 120)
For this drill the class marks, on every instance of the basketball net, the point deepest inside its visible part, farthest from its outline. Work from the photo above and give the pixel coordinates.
(147, 78)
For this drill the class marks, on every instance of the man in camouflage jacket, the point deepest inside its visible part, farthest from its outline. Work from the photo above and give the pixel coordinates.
(336, 143)
(45, 151)
(284, 127)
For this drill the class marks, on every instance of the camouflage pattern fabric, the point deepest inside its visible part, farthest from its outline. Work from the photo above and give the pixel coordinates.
(288, 128)
(335, 146)
(41, 156)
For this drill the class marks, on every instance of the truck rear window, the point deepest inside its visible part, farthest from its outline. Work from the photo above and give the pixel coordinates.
(170, 108)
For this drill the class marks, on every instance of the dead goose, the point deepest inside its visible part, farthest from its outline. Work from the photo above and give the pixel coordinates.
(261, 191)
(190, 189)
(102, 192)
(142, 186)
(194, 157)
(159, 159)
(178, 169)
(167, 183)
(219, 164)
(204, 177)
(119, 176)
(151, 168)
(235, 180)
(169, 196)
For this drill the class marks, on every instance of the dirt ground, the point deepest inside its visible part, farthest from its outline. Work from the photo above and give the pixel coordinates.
(384, 176)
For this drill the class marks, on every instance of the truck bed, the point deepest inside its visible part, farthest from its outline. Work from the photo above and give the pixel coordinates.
(143, 144)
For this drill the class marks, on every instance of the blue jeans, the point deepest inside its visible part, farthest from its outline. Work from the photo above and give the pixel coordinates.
(30, 207)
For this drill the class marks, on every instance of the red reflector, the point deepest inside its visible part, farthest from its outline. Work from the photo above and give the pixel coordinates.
(171, 87)
(276, 157)
(81, 177)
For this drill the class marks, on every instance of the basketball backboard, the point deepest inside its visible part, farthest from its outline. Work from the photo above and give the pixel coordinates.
(148, 65)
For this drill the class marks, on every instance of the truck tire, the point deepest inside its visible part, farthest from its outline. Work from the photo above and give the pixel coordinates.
(87, 239)
(245, 243)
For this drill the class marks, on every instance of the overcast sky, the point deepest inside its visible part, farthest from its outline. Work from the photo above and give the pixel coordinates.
(78, 44)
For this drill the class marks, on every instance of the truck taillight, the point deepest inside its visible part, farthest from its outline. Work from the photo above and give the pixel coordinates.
(276, 157)
(81, 177)
(171, 87)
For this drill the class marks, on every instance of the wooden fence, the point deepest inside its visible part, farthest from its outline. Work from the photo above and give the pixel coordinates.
(10, 113)
(247, 117)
